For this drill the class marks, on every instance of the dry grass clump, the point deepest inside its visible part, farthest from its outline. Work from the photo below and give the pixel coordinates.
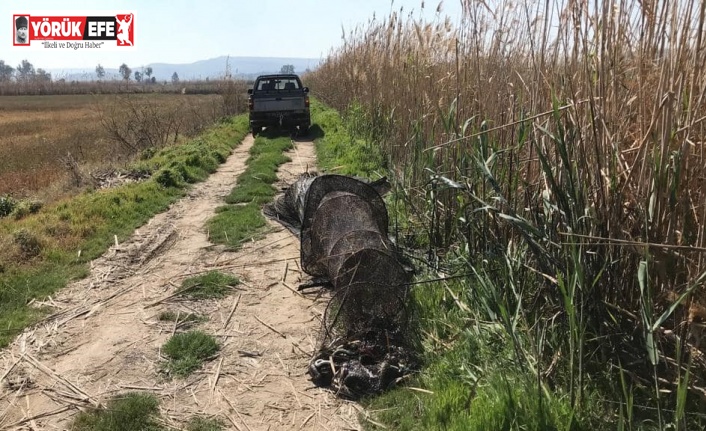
(556, 149)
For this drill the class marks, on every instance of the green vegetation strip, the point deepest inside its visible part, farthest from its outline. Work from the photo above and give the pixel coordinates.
(471, 378)
(213, 284)
(135, 411)
(205, 424)
(132, 411)
(181, 319)
(242, 220)
(42, 252)
(339, 150)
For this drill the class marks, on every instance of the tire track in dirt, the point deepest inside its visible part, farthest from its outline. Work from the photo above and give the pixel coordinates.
(104, 336)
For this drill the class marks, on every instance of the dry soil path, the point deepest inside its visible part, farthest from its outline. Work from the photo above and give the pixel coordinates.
(104, 336)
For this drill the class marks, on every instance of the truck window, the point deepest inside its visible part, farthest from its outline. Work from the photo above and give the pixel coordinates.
(290, 84)
(265, 85)
(278, 84)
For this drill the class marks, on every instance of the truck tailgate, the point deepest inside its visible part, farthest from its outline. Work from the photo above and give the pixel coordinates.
(273, 104)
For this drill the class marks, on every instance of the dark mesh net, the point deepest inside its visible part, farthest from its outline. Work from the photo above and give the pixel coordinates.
(329, 224)
(342, 221)
(289, 208)
(364, 346)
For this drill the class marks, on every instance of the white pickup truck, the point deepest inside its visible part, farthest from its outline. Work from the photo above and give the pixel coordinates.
(279, 101)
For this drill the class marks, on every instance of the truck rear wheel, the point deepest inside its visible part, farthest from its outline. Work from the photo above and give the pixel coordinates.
(302, 129)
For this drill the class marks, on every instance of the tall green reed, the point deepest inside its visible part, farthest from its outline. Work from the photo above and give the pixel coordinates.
(574, 132)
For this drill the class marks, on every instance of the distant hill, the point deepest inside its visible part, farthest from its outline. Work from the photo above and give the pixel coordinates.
(240, 67)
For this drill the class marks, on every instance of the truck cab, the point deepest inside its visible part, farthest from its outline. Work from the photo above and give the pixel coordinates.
(281, 101)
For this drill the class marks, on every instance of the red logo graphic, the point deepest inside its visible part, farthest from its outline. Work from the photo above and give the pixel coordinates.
(117, 28)
(125, 33)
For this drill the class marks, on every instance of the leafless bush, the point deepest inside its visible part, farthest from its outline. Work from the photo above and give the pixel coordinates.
(72, 166)
(140, 123)
(233, 93)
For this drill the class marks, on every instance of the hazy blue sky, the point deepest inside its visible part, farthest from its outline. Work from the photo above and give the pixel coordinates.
(182, 31)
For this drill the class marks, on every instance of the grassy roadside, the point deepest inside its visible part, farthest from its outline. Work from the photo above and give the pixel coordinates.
(474, 376)
(42, 252)
(241, 219)
(338, 150)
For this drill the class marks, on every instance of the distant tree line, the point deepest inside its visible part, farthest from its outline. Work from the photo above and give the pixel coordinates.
(140, 76)
(24, 72)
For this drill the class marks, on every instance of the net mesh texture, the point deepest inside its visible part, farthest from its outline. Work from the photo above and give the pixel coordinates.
(364, 345)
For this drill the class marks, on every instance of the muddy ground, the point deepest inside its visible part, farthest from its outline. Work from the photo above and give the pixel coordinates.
(104, 337)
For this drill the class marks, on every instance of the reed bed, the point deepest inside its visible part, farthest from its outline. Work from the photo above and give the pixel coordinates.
(553, 155)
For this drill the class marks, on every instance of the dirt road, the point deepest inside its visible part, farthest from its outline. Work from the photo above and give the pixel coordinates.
(104, 336)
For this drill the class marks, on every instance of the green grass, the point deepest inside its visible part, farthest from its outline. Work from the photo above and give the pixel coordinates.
(476, 379)
(187, 351)
(135, 412)
(255, 184)
(132, 411)
(235, 224)
(343, 146)
(181, 318)
(241, 220)
(341, 152)
(213, 284)
(43, 252)
(204, 424)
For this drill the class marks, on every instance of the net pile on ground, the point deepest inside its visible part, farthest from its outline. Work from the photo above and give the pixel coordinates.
(342, 223)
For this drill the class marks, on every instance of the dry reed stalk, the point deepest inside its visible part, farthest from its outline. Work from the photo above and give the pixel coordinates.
(270, 328)
(75, 389)
(306, 421)
(293, 290)
(232, 311)
(176, 323)
(38, 416)
(11, 367)
(217, 376)
(284, 272)
(294, 392)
